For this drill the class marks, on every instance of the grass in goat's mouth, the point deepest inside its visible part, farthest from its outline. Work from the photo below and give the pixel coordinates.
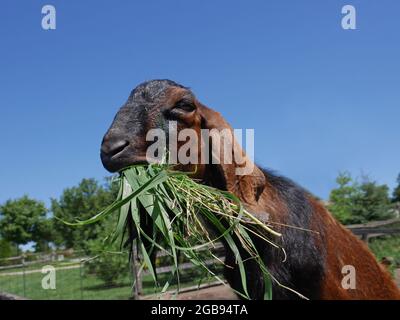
(183, 212)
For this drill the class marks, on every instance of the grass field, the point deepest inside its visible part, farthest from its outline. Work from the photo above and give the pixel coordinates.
(75, 284)
(386, 247)
(69, 285)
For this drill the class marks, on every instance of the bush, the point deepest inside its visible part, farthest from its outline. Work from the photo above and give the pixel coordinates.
(110, 267)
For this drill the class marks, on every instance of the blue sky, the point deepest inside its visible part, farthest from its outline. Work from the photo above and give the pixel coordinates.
(321, 99)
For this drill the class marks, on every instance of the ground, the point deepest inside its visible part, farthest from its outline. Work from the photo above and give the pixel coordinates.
(216, 292)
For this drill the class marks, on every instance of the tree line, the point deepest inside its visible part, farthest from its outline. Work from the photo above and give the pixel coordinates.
(25, 220)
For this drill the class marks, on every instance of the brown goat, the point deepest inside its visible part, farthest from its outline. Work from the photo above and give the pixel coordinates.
(315, 260)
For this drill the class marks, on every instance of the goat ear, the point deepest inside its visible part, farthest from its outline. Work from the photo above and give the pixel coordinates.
(249, 186)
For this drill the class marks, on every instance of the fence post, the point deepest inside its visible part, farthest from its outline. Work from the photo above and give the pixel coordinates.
(137, 277)
(81, 276)
(23, 274)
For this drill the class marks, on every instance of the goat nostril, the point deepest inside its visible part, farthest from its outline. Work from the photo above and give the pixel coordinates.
(116, 147)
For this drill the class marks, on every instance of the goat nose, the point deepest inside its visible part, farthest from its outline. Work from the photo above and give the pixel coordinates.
(112, 146)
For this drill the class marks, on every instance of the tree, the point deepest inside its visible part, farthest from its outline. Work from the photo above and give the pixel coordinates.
(81, 202)
(23, 220)
(354, 202)
(373, 202)
(110, 264)
(342, 199)
(44, 236)
(7, 249)
(396, 191)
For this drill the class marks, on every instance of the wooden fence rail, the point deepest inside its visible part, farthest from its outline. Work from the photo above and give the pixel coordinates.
(375, 229)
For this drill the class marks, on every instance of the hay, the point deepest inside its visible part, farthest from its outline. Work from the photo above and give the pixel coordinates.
(183, 212)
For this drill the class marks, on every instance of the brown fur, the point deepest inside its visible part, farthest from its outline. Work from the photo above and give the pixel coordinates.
(373, 281)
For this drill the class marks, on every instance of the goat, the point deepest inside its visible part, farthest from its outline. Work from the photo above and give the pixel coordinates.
(315, 260)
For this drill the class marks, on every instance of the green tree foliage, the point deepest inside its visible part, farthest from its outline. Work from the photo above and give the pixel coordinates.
(81, 202)
(84, 201)
(23, 220)
(44, 235)
(111, 265)
(396, 191)
(374, 202)
(354, 202)
(7, 249)
(342, 199)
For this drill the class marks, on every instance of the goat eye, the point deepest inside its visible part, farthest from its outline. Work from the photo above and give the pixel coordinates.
(182, 106)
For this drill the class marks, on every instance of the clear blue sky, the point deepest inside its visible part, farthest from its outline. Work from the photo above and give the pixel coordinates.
(321, 99)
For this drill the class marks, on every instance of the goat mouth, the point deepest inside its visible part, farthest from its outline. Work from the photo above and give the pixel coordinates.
(118, 151)
(137, 161)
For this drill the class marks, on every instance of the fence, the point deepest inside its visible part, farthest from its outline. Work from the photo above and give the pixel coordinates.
(82, 277)
(76, 276)
(376, 228)
(186, 269)
(107, 276)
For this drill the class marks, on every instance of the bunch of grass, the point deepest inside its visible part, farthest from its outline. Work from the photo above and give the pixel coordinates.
(183, 212)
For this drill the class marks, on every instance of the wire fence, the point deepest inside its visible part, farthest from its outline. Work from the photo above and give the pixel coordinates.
(66, 275)
(73, 275)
